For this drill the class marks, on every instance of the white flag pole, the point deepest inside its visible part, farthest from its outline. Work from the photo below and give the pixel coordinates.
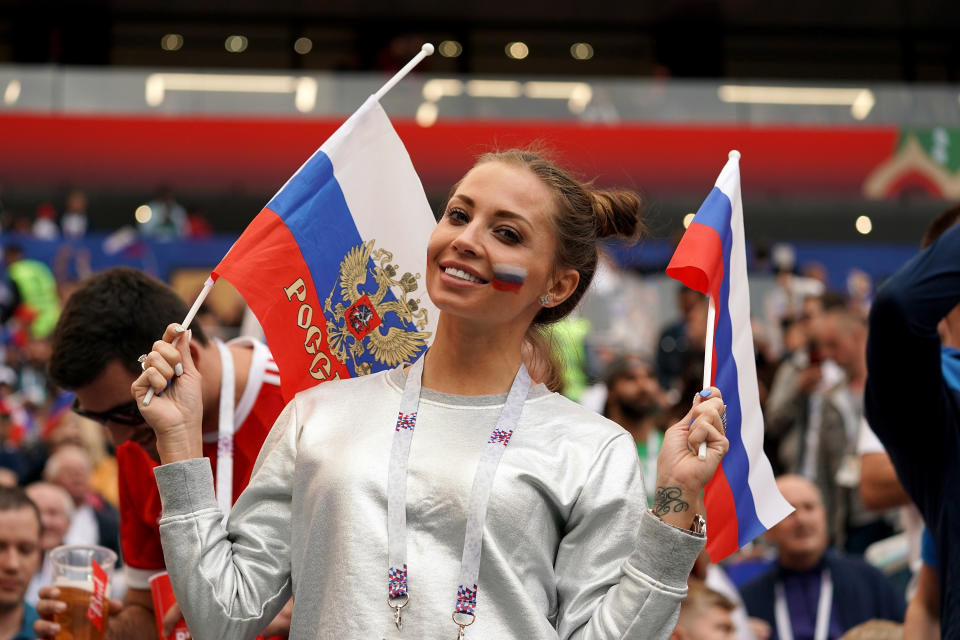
(707, 364)
(207, 286)
(425, 50)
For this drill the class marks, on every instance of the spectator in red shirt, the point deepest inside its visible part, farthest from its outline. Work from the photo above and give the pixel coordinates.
(106, 324)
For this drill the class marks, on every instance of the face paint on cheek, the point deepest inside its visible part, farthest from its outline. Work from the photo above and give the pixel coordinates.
(508, 277)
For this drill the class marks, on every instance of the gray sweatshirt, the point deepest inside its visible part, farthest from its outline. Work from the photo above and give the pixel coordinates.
(569, 550)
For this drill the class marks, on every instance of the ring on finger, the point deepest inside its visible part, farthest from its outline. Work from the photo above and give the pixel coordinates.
(723, 421)
(143, 362)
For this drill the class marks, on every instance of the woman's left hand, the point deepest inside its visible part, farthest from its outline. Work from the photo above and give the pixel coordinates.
(681, 473)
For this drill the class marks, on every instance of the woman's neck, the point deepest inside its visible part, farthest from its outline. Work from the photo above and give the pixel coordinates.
(469, 360)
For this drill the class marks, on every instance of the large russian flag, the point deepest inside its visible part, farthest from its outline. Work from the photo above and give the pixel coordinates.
(332, 265)
(742, 498)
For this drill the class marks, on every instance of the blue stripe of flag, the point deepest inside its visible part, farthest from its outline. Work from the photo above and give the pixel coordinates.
(313, 207)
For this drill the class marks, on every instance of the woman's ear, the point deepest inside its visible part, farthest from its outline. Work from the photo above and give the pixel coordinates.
(563, 286)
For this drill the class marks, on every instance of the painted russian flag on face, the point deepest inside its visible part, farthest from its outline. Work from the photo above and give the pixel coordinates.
(742, 499)
(333, 265)
(508, 277)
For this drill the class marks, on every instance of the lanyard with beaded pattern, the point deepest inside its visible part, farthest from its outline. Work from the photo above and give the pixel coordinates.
(398, 596)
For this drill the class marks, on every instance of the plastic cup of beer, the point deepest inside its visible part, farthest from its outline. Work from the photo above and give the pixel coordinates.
(82, 573)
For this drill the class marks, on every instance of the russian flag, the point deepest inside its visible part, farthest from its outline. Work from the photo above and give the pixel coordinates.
(742, 498)
(333, 265)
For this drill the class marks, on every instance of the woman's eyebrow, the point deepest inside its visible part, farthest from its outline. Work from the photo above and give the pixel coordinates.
(500, 213)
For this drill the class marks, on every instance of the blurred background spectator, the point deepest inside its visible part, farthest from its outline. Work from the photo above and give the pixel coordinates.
(877, 630)
(56, 512)
(635, 401)
(45, 226)
(680, 347)
(19, 560)
(35, 300)
(812, 586)
(94, 521)
(705, 615)
(164, 217)
(74, 222)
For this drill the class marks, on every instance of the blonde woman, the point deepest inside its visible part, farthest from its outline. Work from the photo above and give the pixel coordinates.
(453, 496)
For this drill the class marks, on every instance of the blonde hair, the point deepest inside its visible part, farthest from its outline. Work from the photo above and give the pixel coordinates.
(875, 630)
(700, 597)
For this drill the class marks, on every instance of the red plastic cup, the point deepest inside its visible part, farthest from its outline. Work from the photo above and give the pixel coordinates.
(163, 599)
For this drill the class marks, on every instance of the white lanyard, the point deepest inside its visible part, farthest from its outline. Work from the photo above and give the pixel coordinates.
(466, 601)
(225, 431)
(824, 604)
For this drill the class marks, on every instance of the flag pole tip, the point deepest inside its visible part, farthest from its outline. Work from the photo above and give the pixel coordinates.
(427, 49)
(734, 155)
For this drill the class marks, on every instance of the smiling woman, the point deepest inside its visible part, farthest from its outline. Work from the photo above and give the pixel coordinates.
(515, 514)
(582, 215)
(522, 223)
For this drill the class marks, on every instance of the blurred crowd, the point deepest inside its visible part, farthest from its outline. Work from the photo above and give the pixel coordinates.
(161, 217)
(634, 353)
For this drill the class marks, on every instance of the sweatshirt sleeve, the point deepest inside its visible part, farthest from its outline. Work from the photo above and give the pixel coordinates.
(602, 597)
(231, 582)
(906, 400)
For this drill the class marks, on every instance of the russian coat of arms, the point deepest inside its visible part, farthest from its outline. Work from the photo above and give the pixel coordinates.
(376, 321)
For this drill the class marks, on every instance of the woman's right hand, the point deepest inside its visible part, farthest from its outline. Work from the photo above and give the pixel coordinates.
(176, 409)
(681, 472)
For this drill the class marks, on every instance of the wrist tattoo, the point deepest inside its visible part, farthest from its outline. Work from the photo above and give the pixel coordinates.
(667, 499)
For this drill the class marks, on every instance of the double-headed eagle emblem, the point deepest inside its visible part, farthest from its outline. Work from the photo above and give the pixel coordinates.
(359, 321)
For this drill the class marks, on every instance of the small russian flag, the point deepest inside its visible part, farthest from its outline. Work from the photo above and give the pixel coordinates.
(508, 277)
(742, 498)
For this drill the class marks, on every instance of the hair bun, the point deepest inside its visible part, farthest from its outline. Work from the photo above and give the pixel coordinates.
(617, 213)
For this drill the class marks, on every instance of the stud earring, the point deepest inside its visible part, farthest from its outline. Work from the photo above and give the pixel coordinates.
(544, 301)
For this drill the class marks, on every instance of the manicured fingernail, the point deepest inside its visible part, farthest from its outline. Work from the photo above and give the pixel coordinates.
(702, 453)
(189, 334)
(178, 328)
(178, 369)
(706, 393)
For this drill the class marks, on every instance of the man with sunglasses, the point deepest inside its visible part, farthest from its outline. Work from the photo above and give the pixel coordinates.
(106, 324)
(125, 414)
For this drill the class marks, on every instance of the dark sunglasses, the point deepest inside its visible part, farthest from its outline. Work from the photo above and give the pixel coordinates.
(126, 414)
